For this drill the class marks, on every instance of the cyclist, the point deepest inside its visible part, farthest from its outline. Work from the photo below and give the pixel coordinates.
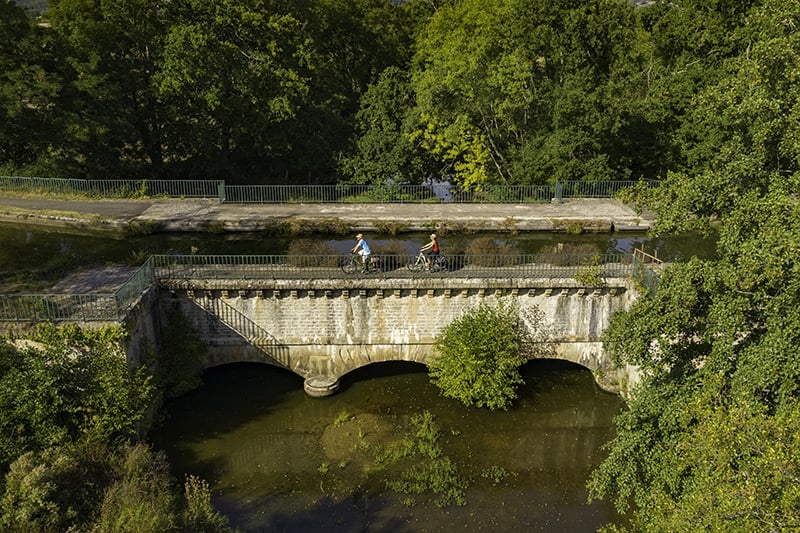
(361, 248)
(431, 250)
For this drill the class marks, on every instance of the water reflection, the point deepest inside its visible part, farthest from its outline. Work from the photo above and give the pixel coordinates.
(269, 452)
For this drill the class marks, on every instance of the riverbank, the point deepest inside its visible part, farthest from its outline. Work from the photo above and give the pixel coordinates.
(208, 215)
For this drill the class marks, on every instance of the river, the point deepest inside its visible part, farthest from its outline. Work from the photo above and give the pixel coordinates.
(278, 460)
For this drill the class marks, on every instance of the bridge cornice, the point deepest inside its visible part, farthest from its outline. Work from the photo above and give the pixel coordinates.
(454, 284)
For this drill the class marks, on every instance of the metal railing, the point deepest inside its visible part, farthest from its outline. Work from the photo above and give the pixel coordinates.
(187, 270)
(130, 291)
(231, 267)
(116, 188)
(436, 192)
(58, 307)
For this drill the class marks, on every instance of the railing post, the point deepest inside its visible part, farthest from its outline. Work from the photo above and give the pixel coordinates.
(559, 190)
(221, 191)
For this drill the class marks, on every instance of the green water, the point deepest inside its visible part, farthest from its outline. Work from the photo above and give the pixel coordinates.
(278, 460)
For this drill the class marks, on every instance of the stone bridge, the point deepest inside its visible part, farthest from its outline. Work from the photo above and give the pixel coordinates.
(321, 329)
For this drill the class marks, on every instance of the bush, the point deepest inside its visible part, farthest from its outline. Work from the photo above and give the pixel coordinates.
(564, 254)
(486, 251)
(479, 355)
(311, 253)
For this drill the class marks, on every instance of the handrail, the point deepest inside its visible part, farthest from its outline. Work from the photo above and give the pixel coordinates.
(646, 258)
(437, 192)
(222, 267)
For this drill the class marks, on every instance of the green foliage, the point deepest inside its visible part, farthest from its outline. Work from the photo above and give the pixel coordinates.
(140, 497)
(199, 515)
(590, 273)
(708, 442)
(425, 467)
(103, 487)
(178, 365)
(53, 489)
(71, 385)
(478, 357)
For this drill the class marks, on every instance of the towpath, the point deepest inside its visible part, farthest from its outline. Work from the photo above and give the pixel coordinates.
(174, 215)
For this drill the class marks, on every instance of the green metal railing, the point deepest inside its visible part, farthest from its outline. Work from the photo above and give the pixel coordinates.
(186, 270)
(387, 193)
(58, 307)
(116, 188)
(130, 291)
(226, 267)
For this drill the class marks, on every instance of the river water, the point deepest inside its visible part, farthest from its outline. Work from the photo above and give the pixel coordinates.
(278, 460)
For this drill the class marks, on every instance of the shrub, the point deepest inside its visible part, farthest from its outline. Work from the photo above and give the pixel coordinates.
(563, 254)
(486, 251)
(311, 253)
(479, 355)
(393, 255)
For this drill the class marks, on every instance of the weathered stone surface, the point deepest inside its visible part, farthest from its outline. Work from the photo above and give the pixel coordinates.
(324, 338)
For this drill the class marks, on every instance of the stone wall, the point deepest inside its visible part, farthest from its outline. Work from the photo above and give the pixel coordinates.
(321, 332)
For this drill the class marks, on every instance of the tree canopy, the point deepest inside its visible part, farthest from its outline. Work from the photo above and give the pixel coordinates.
(710, 440)
(474, 91)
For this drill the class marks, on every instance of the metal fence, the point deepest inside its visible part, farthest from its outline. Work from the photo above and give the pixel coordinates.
(130, 291)
(116, 188)
(436, 192)
(228, 267)
(58, 307)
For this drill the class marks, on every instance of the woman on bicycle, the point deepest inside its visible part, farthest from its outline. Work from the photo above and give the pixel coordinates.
(431, 249)
(361, 248)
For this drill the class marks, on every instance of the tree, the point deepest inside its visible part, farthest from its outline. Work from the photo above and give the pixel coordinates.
(525, 92)
(74, 385)
(384, 149)
(233, 105)
(116, 116)
(479, 355)
(704, 441)
(33, 76)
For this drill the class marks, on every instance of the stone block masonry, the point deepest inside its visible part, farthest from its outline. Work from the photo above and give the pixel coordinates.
(323, 329)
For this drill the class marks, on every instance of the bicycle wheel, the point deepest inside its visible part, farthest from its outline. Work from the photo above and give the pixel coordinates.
(439, 265)
(349, 266)
(419, 266)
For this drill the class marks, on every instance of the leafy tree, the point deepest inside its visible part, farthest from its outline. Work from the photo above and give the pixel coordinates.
(103, 487)
(384, 149)
(704, 441)
(232, 106)
(115, 115)
(74, 385)
(479, 355)
(526, 92)
(33, 76)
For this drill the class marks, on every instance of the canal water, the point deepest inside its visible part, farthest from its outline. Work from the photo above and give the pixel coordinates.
(278, 460)
(33, 258)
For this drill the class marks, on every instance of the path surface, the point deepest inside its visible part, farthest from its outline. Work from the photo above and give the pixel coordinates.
(168, 215)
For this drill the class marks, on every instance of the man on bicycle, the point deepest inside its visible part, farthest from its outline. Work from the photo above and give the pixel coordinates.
(431, 249)
(361, 248)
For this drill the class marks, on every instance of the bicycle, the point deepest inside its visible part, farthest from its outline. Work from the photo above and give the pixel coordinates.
(353, 264)
(437, 264)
